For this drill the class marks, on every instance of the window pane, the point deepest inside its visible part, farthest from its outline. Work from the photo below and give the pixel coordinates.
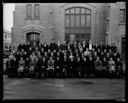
(29, 10)
(72, 20)
(82, 20)
(77, 20)
(109, 11)
(82, 11)
(72, 11)
(122, 16)
(67, 20)
(88, 19)
(82, 35)
(88, 11)
(77, 36)
(67, 11)
(77, 10)
(107, 26)
(36, 10)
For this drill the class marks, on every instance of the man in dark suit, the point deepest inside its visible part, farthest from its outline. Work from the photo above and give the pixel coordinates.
(45, 46)
(52, 46)
(58, 67)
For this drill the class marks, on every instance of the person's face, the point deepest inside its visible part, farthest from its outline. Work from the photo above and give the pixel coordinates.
(30, 48)
(43, 58)
(28, 43)
(57, 58)
(97, 58)
(104, 59)
(118, 59)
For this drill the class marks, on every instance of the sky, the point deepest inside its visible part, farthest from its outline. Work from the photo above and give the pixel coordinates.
(8, 9)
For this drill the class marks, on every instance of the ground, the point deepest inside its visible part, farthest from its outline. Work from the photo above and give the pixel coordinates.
(27, 88)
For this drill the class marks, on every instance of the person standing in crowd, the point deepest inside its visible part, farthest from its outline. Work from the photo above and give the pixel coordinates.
(58, 46)
(43, 69)
(65, 67)
(45, 46)
(91, 67)
(21, 46)
(58, 67)
(105, 68)
(52, 46)
(21, 67)
(119, 68)
(71, 65)
(32, 64)
(84, 67)
(111, 66)
(50, 67)
(26, 69)
(38, 66)
(78, 66)
(15, 67)
(8, 67)
(98, 67)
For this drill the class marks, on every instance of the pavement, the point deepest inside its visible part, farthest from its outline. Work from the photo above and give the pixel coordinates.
(27, 88)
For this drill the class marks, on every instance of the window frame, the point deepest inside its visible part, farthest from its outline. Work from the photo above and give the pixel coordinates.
(77, 30)
(29, 11)
(36, 11)
(124, 17)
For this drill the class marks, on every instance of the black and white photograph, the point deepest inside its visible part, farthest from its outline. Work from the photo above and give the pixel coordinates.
(64, 51)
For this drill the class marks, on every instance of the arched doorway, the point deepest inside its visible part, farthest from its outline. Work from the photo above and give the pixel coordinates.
(33, 37)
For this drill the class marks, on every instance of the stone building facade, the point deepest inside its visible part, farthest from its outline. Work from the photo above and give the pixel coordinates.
(7, 39)
(95, 22)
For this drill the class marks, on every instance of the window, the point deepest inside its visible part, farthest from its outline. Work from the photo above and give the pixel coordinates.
(82, 35)
(36, 10)
(67, 20)
(122, 15)
(88, 19)
(29, 10)
(108, 11)
(77, 22)
(107, 26)
(82, 20)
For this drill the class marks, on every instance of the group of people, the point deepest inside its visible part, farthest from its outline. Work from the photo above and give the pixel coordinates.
(64, 60)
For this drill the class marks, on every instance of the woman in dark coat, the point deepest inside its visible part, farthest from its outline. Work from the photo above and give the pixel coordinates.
(58, 67)
(44, 68)
(91, 67)
(78, 66)
(50, 67)
(119, 68)
(65, 67)
(84, 67)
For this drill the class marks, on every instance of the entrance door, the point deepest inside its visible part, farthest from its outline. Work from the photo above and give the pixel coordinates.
(33, 37)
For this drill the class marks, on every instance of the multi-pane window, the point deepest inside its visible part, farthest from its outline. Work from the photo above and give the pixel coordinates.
(36, 10)
(78, 17)
(122, 15)
(29, 10)
(77, 23)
